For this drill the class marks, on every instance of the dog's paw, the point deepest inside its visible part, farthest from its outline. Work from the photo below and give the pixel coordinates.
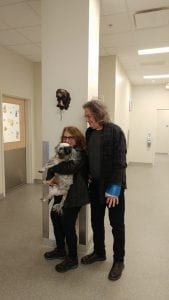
(44, 199)
(54, 208)
(57, 208)
(41, 170)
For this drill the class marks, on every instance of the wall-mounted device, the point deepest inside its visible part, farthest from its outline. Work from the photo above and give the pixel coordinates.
(149, 140)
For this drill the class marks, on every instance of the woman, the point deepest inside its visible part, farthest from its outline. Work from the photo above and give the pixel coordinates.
(64, 224)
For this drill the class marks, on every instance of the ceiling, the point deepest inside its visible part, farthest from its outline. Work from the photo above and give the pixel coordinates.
(20, 27)
(126, 26)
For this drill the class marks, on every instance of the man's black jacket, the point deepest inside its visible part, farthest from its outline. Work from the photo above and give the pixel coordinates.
(113, 156)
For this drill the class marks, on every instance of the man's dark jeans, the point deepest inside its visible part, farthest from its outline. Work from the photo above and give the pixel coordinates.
(116, 218)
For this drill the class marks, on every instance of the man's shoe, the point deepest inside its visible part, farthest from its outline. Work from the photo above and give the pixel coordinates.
(54, 254)
(116, 270)
(67, 265)
(91, 258)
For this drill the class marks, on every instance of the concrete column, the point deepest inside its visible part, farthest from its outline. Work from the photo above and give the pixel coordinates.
(70, 47)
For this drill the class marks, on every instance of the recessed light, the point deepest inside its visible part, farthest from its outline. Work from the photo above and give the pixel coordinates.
(153, 51)
(156, 76)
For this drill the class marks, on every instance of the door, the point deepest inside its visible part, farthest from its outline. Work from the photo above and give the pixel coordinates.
(14, 142)
(162, 133)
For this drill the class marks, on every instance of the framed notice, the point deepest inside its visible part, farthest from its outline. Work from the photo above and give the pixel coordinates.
(13, 110)
(11, 122)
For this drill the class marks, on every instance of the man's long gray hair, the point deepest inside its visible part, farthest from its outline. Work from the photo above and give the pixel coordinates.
(99, 111)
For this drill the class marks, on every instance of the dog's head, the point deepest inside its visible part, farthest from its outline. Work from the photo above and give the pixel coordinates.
(64, 151)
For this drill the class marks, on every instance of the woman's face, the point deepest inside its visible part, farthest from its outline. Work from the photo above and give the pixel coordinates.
(68, 138)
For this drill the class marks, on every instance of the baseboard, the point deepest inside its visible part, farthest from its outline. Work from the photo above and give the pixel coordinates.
(139, 164)
(1, 196)
(39, 181)
(49, 242)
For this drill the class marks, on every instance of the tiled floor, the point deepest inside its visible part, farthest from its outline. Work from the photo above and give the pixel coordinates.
(24, 273)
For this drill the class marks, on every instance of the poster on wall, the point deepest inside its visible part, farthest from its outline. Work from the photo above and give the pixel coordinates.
(11, 124)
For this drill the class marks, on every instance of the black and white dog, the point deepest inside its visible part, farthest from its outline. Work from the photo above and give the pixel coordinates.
(60, 186)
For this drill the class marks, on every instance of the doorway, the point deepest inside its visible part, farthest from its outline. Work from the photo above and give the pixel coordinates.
(162, 131)
(14, 142)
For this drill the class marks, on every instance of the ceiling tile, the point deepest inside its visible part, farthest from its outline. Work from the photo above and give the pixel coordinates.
(3, 26)
(115, 23)
(11, 37)
(29, 49)
(34, 58)
(136, 5)
(7, 2)
(152, 18)
(113, 7)
(36, 5)
(119, 40)
(153, 37)
(153, 70)
(33, 33)
(19, 15)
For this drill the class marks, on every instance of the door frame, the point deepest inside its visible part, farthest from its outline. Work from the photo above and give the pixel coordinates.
(157, 109)
(28, 136)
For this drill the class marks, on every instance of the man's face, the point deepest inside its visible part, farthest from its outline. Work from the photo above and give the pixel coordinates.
(91, 119)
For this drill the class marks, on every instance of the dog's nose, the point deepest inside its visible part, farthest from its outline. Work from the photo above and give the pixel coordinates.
(67, 150)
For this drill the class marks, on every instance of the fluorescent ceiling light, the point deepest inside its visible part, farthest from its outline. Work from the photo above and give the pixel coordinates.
(153, 51)
(156, 76)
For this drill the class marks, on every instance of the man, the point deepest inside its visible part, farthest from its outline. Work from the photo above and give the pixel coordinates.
(106, 146)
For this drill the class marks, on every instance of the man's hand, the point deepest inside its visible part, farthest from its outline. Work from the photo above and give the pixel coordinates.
(112, 201)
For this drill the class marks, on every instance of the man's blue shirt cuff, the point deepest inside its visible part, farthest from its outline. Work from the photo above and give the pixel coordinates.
(113, 190)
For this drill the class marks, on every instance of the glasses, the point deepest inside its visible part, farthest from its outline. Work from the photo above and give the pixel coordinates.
(69, 138)
(88, 116)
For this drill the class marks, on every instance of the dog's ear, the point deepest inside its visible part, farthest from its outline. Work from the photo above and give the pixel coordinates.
(56, 149)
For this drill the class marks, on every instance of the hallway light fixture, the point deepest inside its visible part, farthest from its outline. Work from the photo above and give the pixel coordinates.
(156, 76)
(153, 51)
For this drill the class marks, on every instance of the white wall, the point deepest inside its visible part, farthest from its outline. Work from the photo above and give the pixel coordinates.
(16, 79)
(93, 59)
(16, 75)
(115, 91)
(65, 42)
(107, 82)
(122, 98)
(145, 102)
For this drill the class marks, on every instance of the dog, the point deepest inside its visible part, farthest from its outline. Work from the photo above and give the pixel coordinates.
(59, 184)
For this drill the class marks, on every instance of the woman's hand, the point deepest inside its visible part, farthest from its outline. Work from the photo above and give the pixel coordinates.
(112, 201)
(53, 181)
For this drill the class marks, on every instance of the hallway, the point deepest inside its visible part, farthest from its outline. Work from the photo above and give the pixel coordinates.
(24, 273)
